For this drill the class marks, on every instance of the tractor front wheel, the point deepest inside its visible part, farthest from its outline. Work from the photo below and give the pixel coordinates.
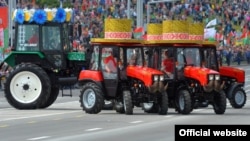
(163, 103)
(238, 99)
(219, 102)
(127, 102)
(183, 102)
(91, 98)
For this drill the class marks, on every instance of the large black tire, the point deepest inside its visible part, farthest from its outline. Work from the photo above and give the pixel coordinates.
(219, 102)
(183, 102)
(163, 103)
(238, 99)
(127, 102)
(53, 96)
(27, 86)
(91, 98)
(150, 107)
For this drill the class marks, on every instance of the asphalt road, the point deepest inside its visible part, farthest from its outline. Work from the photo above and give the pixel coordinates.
(65, 121)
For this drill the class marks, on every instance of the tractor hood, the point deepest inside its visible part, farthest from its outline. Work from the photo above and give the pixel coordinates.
(144, 74)
(232, 72)
(199, 73)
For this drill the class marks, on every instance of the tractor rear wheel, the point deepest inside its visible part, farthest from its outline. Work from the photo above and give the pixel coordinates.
(53, 96)
(91, 98)
(238, 99)
(127, 102)
(183, 102)
(219, 102)
(27, 86)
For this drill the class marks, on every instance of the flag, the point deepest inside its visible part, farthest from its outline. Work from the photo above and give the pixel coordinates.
(138, 32)
(211, 23)
(209, 33)
(244, 38)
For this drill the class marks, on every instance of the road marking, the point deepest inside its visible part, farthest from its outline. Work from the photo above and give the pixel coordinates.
(45, 115)
(32, 122)
(93, 129)
(57, 119)
(38, 138)
(79, 116)
(139, 121)
(169, 116)
(3, 126)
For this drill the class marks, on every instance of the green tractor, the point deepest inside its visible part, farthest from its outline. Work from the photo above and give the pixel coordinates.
(42, 60)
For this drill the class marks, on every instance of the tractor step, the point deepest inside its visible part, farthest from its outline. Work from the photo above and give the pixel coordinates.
(63, 88)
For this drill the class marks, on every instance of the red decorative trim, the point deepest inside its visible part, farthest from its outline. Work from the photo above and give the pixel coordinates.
(196, 37)
(118, 35)
(175, 36)
(154, 37)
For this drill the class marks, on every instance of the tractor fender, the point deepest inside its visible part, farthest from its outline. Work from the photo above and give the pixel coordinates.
(231, 89)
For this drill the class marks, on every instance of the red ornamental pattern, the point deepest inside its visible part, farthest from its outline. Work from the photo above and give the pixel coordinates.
(154, 37)
(175, 36)
(118, 35)
(196, 37)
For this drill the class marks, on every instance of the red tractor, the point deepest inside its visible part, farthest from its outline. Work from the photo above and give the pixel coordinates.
(117, 73)
(190, 83)
(233, 78)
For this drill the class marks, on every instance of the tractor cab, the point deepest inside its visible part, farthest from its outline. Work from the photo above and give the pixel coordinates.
(51, 41)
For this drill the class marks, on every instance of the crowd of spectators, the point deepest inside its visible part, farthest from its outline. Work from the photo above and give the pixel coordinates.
(89, 17)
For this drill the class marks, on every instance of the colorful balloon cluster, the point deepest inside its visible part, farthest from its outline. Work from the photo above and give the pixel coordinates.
(40, 16)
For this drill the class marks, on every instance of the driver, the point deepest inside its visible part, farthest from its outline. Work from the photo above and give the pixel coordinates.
(110, 63)
(167, 64)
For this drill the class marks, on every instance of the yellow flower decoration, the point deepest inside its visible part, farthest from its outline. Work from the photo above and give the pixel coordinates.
(49, 16)
(68, 16)
(27, 16)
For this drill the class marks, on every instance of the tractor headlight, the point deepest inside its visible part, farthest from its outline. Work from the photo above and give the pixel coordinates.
(156, 77)
(217, 77)
(161, 77)
(211, 77)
